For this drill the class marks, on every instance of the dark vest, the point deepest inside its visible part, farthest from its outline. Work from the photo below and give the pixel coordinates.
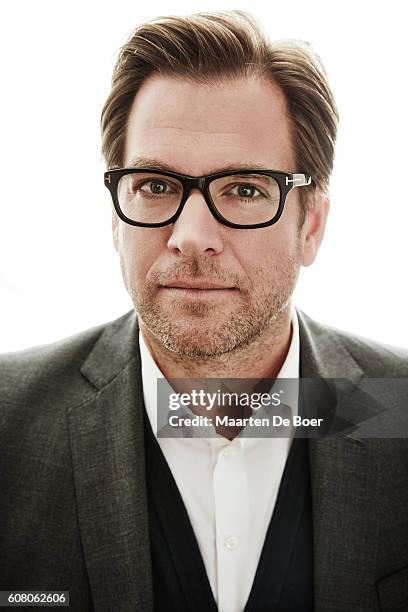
(284, 577)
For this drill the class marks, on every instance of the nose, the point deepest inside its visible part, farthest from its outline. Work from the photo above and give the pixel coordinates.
(196, 231)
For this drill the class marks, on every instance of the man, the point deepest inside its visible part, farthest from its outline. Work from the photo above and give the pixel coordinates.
(219, 147)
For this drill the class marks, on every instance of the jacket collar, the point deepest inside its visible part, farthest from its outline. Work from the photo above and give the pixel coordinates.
(115, 347)
(323, 355)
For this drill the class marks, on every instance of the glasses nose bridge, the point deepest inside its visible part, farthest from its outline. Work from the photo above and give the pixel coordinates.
(195, 183)
(191, 183)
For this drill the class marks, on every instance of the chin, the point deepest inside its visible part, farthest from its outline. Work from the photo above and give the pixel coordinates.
(209, 336)
(198, 338)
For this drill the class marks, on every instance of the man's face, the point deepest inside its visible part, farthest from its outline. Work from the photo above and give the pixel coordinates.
(197, 130)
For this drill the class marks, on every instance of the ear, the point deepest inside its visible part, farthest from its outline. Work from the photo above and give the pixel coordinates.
(313, 228)
(115, 229)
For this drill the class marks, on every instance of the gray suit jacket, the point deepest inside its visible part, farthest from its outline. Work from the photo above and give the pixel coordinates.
(73, 510)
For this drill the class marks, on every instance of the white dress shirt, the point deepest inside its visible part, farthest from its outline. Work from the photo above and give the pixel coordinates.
(229, 488)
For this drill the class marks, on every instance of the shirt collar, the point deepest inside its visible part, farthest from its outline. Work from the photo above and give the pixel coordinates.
(151, 372)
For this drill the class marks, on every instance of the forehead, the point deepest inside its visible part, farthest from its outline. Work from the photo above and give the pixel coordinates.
(198, 129)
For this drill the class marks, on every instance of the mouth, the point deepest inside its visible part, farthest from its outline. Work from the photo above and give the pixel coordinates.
(197, 289)
(197, 286)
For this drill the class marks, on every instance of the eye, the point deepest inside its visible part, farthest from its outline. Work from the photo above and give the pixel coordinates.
(153, 186)
(245, 190)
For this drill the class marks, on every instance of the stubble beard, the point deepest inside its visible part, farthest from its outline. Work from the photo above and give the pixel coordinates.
(198, 329)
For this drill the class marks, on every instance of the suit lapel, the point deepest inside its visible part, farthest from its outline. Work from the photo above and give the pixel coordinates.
(344, 474)
(107, 444)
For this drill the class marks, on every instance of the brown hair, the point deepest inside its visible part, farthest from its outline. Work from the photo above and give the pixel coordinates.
(209, 47)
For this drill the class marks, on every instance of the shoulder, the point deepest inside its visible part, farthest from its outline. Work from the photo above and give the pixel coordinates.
(50, 373)
(42, 362)
(375, 359)
(370, 378)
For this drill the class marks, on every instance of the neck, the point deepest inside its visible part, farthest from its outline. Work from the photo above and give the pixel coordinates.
(262, 358)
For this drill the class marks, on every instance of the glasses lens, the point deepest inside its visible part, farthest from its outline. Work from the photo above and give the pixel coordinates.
(147, 197)
(246, 199)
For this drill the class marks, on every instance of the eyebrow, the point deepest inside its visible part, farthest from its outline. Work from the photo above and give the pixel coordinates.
(155, 164)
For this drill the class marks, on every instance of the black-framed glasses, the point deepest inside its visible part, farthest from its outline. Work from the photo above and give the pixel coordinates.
(243, 199)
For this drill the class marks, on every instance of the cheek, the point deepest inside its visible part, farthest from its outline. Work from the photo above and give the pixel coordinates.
(140, 248)
(266, 245)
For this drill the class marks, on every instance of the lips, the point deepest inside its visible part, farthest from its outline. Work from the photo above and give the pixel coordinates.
(198, 285)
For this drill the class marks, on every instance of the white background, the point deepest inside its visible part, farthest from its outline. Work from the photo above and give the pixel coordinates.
(59, 272)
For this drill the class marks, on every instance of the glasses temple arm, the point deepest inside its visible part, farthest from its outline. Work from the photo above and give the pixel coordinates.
(298, 180)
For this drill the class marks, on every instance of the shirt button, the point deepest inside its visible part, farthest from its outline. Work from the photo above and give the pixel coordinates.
(225, 454)
(231, 543)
